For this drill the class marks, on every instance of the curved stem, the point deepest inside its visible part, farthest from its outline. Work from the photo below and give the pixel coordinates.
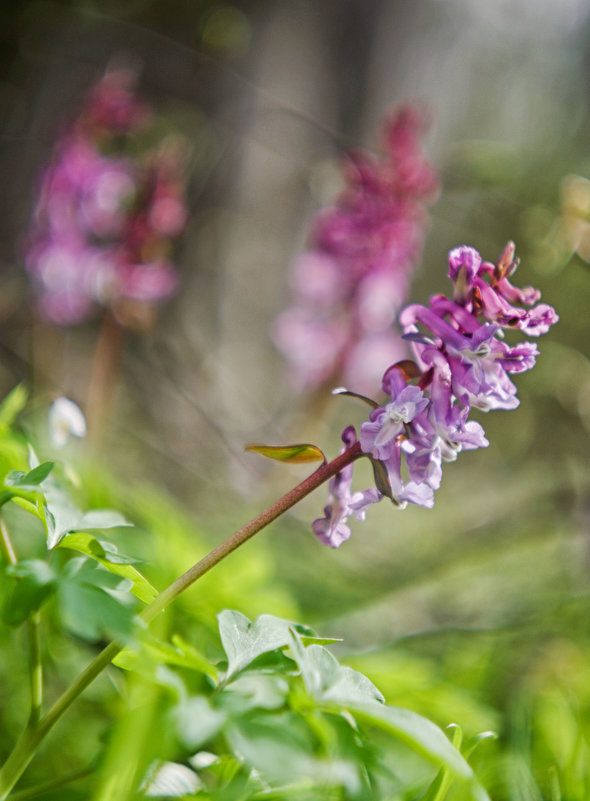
(32, 737)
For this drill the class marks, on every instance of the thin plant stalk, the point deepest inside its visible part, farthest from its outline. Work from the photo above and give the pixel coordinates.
(104, 377)
(35, 664)
(33, 736)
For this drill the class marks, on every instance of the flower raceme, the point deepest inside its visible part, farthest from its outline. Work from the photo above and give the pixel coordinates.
(461, 361)
(106, 215)
(354, 277)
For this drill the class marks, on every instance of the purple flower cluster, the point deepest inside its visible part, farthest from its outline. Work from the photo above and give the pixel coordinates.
(105, 220)
(461, 361)
(353, 280)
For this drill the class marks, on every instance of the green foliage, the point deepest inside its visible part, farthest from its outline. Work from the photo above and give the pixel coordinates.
(33, 581)
(281, 716)
(276, 711)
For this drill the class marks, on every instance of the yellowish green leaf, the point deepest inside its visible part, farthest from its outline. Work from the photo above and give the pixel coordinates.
(296, 454)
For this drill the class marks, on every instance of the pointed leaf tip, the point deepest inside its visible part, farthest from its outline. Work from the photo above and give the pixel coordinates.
(296, 454)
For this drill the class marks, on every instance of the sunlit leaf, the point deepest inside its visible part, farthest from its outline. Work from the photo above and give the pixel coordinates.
(443, 780)
(476, 742)
(422, 736)
(102, 519)
(102, 553)
(31, 480)
(327, 680)
(63, 516)
(297, 454)
(244, 641)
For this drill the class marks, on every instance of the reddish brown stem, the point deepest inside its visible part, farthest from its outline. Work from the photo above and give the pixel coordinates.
(104, 377)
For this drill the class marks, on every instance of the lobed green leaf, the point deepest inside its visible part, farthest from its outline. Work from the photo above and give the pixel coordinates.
(244, 641)
(103, 553)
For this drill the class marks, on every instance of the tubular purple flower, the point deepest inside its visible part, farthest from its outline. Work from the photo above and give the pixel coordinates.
(332, 529)
(461, 362)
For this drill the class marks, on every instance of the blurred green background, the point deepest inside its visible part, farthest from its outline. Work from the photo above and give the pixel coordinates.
(477, 611)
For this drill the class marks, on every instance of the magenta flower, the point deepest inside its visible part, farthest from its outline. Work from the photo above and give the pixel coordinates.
(103, 229)
(355, 276)
(461, 362)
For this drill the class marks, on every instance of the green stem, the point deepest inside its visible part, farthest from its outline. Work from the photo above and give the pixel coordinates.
(35, 665)
(32, 737)
(7, 545)
(35, 668)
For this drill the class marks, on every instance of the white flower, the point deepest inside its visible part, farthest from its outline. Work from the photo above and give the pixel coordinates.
(65, 419)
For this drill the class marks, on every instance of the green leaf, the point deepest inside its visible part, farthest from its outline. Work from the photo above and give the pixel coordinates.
(260, 691)
(63, 516)
(94, 603)
(278, 748)
(327, 680)
(296, 454)
(477, 740)
(244, 641)
(153, 652)
(34, 581)
(101, 519)
(197, 721)
(12, 405)
(192, 658)
(441, 785)
(31, 480)
(102, 553)
(422, 736)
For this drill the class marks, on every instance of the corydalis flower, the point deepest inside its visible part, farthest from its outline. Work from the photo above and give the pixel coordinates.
(106, 220)
(354, 278)
(461, 362)
(332, 528)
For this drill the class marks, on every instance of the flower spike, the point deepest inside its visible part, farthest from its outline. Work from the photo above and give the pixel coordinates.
(461, 362)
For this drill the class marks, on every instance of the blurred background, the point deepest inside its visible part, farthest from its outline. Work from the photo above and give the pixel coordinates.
(476, 611)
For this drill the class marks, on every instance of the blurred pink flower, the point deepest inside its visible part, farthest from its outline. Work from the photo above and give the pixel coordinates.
(103, 229)
(355, 276)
